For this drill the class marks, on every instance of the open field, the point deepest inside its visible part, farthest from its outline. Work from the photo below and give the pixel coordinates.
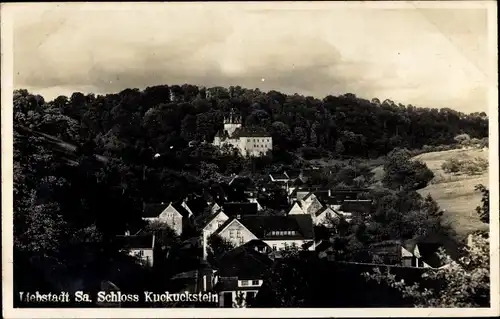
(455, 194)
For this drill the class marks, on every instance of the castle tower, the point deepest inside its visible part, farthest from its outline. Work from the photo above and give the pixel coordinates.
(232, 122)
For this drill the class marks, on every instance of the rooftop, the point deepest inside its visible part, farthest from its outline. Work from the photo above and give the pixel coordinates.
(243, 263)
(136, 241)
(277, 227)
(151, 210)
(233, 209)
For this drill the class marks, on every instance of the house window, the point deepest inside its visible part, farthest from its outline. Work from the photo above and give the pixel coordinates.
(244, 283)
(238, 233)
(286, 246)
(242, 240)
(274, 247)
(255, 282)
(231, 233)
(140, 253)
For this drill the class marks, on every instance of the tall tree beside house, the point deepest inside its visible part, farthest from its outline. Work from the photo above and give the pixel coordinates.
(218, 246)
(287, 281)
(464, 283)
(484, 209)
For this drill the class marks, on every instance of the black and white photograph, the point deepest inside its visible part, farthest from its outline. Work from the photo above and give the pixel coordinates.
(287, 158)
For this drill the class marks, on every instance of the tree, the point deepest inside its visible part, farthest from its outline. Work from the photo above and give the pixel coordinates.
(339, 147)
(464, 283)
(288, 282)
(401, 172)
(218, 246)
(484, 210)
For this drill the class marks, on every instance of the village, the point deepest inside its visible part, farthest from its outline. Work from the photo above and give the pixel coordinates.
(259, 238)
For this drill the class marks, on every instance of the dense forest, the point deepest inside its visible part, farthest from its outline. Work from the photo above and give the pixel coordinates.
(67, 199)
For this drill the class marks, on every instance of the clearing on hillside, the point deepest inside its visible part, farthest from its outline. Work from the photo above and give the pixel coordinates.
(454, 193)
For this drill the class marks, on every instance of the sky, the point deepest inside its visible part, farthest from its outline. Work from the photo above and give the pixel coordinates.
(429, 57)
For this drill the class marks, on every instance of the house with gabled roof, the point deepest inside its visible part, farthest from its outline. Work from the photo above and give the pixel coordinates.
(140, 246)
(292, 174)
(297, 209)
(255, 201)
(278, 232)
(312, 204)
(349, 208)
(240, 274)
(279, 177)
(215, 207)
(209, 225)
(172, 214)
(324, 215)
(408, 253)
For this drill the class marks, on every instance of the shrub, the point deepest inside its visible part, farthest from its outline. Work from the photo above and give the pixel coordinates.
(451, 166)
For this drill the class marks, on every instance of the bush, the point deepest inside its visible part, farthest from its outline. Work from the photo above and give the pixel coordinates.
(451, 166)
(475, 166)
(402, 172)
(310, 153)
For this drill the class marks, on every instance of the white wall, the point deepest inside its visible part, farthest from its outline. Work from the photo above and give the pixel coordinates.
(236, 228)
(145, 255)
(230, 128)
(257, 145)
(210, 228)
(296, 210)
(172, 218)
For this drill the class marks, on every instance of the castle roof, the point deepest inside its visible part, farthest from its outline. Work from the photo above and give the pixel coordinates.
(250, 132)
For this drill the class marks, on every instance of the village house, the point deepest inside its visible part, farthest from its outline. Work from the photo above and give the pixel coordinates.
(324, 215)
(279, 232)
(141, 246)
(409, 253)
(250, 142)
(240, 275)
(243, 185)
(209, 225)
(279, 177)
(175, 215)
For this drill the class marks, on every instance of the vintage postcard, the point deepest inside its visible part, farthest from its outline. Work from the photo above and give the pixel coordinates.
(290, 159)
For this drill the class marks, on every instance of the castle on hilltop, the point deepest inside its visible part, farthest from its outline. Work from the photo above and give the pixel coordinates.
(250, 141)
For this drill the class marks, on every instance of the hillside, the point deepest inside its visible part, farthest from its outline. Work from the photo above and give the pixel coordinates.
(455, 194)
(56, 145)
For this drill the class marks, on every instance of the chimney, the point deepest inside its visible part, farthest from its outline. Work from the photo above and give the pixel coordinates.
(127, 233)
(238, 216)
